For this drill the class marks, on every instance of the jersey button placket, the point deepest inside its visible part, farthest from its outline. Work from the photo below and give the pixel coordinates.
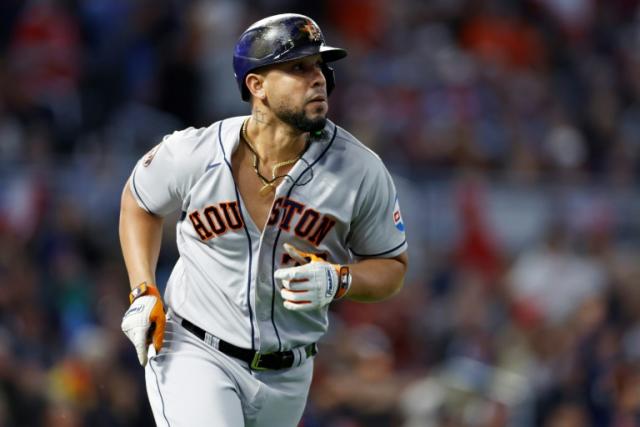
(263, 289)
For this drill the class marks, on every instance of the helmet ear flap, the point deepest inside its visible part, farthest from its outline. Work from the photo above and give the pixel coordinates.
(329, 76)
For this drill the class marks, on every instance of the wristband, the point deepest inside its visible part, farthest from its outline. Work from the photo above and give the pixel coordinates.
(142, 289)
(344, 282)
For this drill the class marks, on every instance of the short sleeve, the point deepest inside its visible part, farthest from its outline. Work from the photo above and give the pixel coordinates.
(162, 178)
(377, 229)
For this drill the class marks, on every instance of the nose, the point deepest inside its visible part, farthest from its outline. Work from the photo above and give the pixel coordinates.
(318, 76)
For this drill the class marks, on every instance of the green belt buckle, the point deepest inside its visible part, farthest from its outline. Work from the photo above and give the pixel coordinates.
(255, 363)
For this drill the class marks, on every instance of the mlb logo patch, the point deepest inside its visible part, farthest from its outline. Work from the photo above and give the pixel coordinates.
(397, 216)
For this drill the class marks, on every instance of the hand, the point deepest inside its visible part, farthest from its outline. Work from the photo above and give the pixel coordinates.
(144, 321)
(313, 284)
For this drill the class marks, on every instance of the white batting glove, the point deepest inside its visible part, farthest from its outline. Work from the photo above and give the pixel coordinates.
(312, 285)
(144, 321)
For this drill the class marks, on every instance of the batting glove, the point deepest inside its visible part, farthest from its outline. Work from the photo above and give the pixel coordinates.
(144, 321)
(313, 284)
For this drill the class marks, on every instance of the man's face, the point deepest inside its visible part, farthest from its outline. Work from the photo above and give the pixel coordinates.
(297, 93)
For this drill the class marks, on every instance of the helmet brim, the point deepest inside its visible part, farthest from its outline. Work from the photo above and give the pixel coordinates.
(330, 54)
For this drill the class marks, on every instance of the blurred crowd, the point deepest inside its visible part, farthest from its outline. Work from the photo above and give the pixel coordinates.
(512, 128)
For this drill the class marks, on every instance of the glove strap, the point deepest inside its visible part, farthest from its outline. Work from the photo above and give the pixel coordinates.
(344, 281)
(143, 289)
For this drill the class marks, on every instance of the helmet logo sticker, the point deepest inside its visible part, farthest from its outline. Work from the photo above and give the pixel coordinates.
(312, 31)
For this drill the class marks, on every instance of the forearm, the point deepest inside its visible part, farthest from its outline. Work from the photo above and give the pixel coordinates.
(140, 237)
(377, 278)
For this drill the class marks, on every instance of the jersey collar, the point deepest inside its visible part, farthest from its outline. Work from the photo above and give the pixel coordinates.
(231, 139)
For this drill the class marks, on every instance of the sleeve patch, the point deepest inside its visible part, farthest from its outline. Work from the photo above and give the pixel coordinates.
(397, 216)
(148, 158)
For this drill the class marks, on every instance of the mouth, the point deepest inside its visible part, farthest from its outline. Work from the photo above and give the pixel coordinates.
(318, 98)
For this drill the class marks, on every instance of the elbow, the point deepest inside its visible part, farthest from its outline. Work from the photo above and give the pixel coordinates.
(398, 285)
(403, 267)
(403, 260)
(394, 281)
(126, 198)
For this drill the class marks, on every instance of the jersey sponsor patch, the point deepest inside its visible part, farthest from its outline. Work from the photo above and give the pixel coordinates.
(397, 216)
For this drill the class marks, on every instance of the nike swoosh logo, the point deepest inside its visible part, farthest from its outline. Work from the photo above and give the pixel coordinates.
(212, 165)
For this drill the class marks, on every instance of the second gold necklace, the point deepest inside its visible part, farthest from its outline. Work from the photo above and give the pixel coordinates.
(267, 184)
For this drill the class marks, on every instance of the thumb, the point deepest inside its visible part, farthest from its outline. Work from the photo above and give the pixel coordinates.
(294, 253)
(142, 350)
(301, 257)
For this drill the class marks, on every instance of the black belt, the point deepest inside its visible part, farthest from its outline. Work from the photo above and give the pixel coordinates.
(257, 361)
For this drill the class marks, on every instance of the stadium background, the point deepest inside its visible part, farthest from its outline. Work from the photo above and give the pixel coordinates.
(511, 127)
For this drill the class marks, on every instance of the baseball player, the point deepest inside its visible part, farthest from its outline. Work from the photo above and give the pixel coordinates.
(281, 213)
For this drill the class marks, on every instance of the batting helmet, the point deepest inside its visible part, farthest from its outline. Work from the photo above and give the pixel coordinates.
(281, 38)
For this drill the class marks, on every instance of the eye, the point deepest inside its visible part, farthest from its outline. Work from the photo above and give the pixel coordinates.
(303, 66)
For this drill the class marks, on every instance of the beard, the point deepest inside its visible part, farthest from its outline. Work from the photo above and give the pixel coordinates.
(299, 120)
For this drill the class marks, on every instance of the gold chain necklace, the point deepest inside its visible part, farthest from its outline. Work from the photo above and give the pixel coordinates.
(267, 184)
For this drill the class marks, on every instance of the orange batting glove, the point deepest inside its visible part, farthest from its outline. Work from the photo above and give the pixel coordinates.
(144, 321)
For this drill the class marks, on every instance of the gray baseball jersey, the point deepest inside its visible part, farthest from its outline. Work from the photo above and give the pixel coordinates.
(338, 201)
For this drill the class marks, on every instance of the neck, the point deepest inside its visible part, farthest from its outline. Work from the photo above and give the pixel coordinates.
(273, 140)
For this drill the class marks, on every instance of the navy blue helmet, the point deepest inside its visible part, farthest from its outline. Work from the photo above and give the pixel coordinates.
(281, 38)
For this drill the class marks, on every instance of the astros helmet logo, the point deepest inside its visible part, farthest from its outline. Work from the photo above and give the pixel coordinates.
(311, 31)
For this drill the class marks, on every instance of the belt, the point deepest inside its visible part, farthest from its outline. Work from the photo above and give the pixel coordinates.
(257, 361)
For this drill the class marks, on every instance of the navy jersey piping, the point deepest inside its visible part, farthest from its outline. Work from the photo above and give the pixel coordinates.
(275, 243)
(380, 253)
(133, 182)
(246, 230)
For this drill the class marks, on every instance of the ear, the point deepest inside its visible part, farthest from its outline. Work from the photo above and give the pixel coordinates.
(255, 84)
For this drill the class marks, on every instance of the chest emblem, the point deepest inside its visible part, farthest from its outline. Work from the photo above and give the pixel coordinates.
(287, 214)
(216, 220)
